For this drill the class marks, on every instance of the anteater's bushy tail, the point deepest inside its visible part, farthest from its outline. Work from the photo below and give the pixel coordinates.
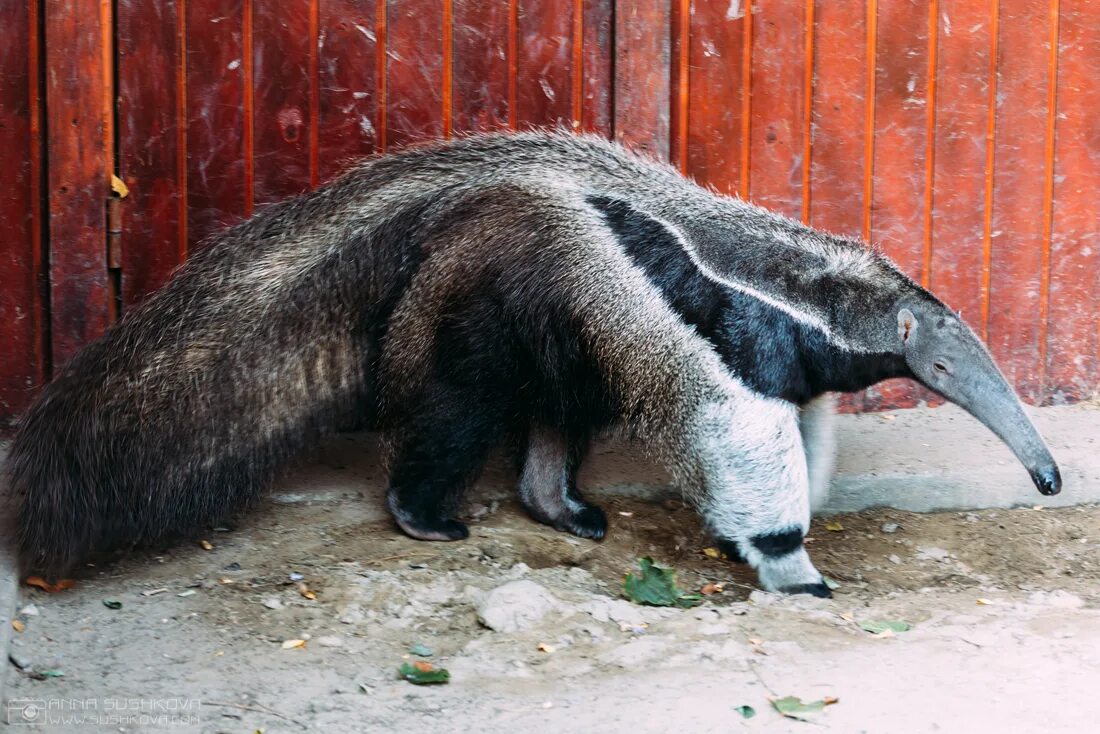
(192, 404)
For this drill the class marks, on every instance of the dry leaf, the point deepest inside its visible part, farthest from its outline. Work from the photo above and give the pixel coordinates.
(712, 553)
(711, 588)
(983, 602)
(17, 625)
(206, 545)
(755, 641)
(291, 644)
(626, 514)
(423, 666)
(41, 583)
(305, 591)
(830, 700)
(543, 647)
(833, 526)
(119, 187)
(887, 417)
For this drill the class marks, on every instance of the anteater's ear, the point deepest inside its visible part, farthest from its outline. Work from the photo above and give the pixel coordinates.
(907, 325)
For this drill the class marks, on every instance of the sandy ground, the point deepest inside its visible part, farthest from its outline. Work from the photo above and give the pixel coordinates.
(1004, 606)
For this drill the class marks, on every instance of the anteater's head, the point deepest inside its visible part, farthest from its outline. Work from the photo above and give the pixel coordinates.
(946, 356)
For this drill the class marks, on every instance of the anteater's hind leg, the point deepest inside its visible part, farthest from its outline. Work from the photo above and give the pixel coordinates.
(440, 452)
(815, 421)
(548, 485)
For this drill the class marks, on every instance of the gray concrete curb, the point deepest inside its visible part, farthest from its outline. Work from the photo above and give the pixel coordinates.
(9, 589)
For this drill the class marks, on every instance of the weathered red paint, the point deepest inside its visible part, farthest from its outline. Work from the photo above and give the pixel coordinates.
(925, 124)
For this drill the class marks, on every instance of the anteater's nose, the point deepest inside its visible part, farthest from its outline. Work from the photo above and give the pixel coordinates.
(1048, 480)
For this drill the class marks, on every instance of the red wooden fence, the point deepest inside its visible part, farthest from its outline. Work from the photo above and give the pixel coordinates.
(961, 135)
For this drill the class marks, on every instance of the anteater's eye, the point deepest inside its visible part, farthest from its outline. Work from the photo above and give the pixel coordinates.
(940, 367)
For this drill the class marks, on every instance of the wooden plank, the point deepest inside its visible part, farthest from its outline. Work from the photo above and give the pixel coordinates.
(480, 86)
(962, 115)
(79, 160)
(22, 298)
(642, 76)
(839, 162)
(1073, 366)
(347, 91)
(715, 50)
(778, 73)
(544, 59)
(414, 70)
(218, 173)
(596, 58)
(150, 152)
(898, 209)
(282, 41)
(1017, 236)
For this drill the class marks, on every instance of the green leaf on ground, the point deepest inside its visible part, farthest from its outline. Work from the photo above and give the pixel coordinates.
(793, 708)
(747, 712)
(880, 626)
(656, 587)
(422, 674)
(421, 650)
(112, 604)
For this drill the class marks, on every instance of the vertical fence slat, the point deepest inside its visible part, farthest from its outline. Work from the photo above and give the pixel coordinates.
(1073, 366)
(1017, 226)
(839, 112)
(22, 305)
(544, 56)
(480, 64)
(347, 93)
(217, 67)
(281, 48)
(958, 214)
(414, 63)
(715, 49)
(79, 158)
(596, 58)
(777, 105)
(149, 143)
(642, 76)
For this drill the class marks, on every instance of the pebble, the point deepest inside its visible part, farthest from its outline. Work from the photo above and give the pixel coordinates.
(515, 606)
(273, 603)
(890, 527)
(933, 554)
(330, 641)
(29, 611)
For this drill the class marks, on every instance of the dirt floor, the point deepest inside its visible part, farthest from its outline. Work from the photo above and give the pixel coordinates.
(1004, 607)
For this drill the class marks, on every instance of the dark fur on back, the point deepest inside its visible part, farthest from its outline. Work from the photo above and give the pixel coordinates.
(452, 295)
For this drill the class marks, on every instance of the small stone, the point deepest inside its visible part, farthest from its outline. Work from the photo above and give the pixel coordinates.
(352, 614)
(895, 559)
(890, 527)
(330, 641)
(515, 606)
(933, 554)
(29, 611)
(272, 603)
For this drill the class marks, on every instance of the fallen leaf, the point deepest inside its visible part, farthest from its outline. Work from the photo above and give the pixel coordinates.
(833, 526)
(46, 586)
(543, 647)
(755, 641)
(793, 708)
(422, 650)
(626, 514)
(711, 588)
(206, 545)
(847, 616)
(154, 592)
(831, 583)
(292, 644)
(712, 553)
(882, 626)
(112, 604)
(305, 591)
(747, 712)
(887, 417)
(423, 673)
(189, 592)
(983, 602)
(17, 625)
(49, 674)
(119, 187)
(656, 586)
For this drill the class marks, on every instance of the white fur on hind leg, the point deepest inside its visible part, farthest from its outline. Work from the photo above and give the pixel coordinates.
(816, 422)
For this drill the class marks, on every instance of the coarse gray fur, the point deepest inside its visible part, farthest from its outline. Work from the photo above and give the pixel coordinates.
(335, 308)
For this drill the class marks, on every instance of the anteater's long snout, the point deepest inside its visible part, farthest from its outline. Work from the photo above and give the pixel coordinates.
(1048, 479)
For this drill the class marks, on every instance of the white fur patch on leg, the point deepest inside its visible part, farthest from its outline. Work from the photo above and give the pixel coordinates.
(816, 422)
(755, 492)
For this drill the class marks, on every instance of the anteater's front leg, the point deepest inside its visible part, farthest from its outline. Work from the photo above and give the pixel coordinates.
(754, 493)
(548, 485)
